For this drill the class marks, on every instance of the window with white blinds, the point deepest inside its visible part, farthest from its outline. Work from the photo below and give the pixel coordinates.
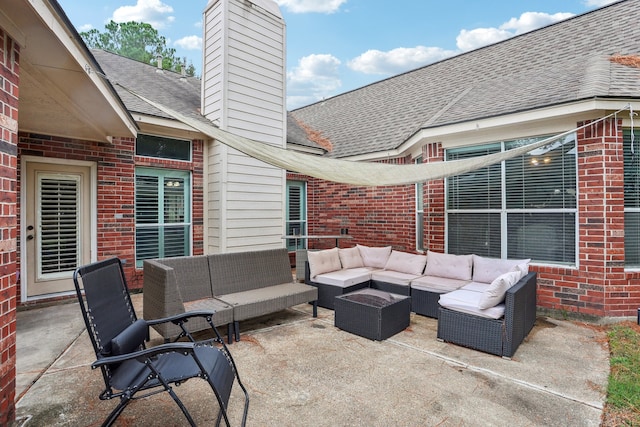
(163, 219)
(58, 225)
(296, 214)
(632, 199)
(521, 208)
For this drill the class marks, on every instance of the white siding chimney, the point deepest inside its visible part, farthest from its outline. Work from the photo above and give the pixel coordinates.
(243, 91)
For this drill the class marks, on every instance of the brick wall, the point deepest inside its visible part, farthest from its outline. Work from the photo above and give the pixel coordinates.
(116, 189)
(598, 287)
(375, 216)
(9, 82)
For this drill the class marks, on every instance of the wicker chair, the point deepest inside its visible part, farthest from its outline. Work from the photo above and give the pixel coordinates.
(496, 336)
(132, 371)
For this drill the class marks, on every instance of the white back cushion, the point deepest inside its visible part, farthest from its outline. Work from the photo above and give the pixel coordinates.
(404, 262)
(350, 258)
(323, 261)
(485, 270)
(374, 257)
(447, 265)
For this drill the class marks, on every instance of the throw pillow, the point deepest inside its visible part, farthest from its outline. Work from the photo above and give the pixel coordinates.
(485, 270)
(404, 262)
(449, 266)
(495, 293)
(350, 258)
(374, 257)
(324, 261)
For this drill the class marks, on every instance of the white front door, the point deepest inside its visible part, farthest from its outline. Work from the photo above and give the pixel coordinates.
(57, 225)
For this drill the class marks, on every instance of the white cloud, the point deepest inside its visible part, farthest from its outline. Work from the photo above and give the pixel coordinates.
(189, 43)
(307, 6)
(531, 20)
(478, 37)
(314, 78)
(152, 12)
(598, 3)
(397, 60)
(84, 28)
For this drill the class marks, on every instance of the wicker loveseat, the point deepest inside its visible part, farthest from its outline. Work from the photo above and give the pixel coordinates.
(238, 286)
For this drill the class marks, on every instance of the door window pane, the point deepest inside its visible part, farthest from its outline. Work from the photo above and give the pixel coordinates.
(58, 225)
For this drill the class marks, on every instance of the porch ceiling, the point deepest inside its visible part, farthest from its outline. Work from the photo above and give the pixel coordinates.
(57, 96)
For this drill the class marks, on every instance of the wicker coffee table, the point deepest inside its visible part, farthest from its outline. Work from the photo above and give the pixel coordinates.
(372, 313)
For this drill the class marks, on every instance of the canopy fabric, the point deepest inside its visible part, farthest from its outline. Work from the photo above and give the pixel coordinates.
(352, 172)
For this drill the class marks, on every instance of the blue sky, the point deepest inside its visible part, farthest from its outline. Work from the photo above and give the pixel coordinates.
(334, 46)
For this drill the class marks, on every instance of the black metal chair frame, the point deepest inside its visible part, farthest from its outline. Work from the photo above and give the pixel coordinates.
(128, 366)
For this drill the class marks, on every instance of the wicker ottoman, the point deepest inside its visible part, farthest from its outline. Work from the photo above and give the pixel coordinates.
(372, 313)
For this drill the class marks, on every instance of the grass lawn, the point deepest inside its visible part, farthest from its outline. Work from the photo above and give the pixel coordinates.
(623, 392)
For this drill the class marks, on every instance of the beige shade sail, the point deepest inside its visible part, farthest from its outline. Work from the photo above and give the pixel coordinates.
(352, 172)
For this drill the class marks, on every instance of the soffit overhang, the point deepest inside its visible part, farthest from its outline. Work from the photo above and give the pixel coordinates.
(61, 92)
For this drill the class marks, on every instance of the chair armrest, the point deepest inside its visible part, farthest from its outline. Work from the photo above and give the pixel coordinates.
(181, 347)
(182, 318)
(177, 319)
(520, 312)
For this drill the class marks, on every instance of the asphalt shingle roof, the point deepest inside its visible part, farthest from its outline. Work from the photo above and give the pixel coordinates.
(557, 64)
(166, 87)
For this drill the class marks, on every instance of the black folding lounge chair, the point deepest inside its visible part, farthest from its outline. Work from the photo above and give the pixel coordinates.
(128, 367)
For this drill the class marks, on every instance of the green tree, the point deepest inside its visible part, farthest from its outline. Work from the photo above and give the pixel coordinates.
(136, 40)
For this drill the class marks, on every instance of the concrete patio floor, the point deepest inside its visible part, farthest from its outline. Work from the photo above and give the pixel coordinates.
(301, 370)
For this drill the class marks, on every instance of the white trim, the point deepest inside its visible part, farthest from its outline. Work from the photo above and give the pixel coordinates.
(541, 121)
(93, 216)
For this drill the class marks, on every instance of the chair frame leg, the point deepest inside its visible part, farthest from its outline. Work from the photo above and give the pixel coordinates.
(236, 326)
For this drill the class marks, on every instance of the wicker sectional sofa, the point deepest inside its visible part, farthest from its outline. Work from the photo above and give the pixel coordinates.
(484, 303)
(238, 286)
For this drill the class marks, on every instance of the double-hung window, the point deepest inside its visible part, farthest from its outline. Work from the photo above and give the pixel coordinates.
(419, 211)
(524, 207)
(163, 217)
(632, 199)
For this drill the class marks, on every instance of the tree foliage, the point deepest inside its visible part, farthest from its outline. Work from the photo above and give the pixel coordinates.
(136, 40)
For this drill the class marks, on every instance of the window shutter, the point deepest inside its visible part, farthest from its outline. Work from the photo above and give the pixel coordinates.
(59, 225)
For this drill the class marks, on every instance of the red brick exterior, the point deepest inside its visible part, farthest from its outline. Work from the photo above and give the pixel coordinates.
(116, 189)
(599, 286)
(9, 83)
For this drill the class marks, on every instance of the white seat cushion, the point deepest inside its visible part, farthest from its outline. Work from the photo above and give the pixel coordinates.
(467, 301)
(344, 277)
(476, 287)
(437, 284)
(395, 277)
